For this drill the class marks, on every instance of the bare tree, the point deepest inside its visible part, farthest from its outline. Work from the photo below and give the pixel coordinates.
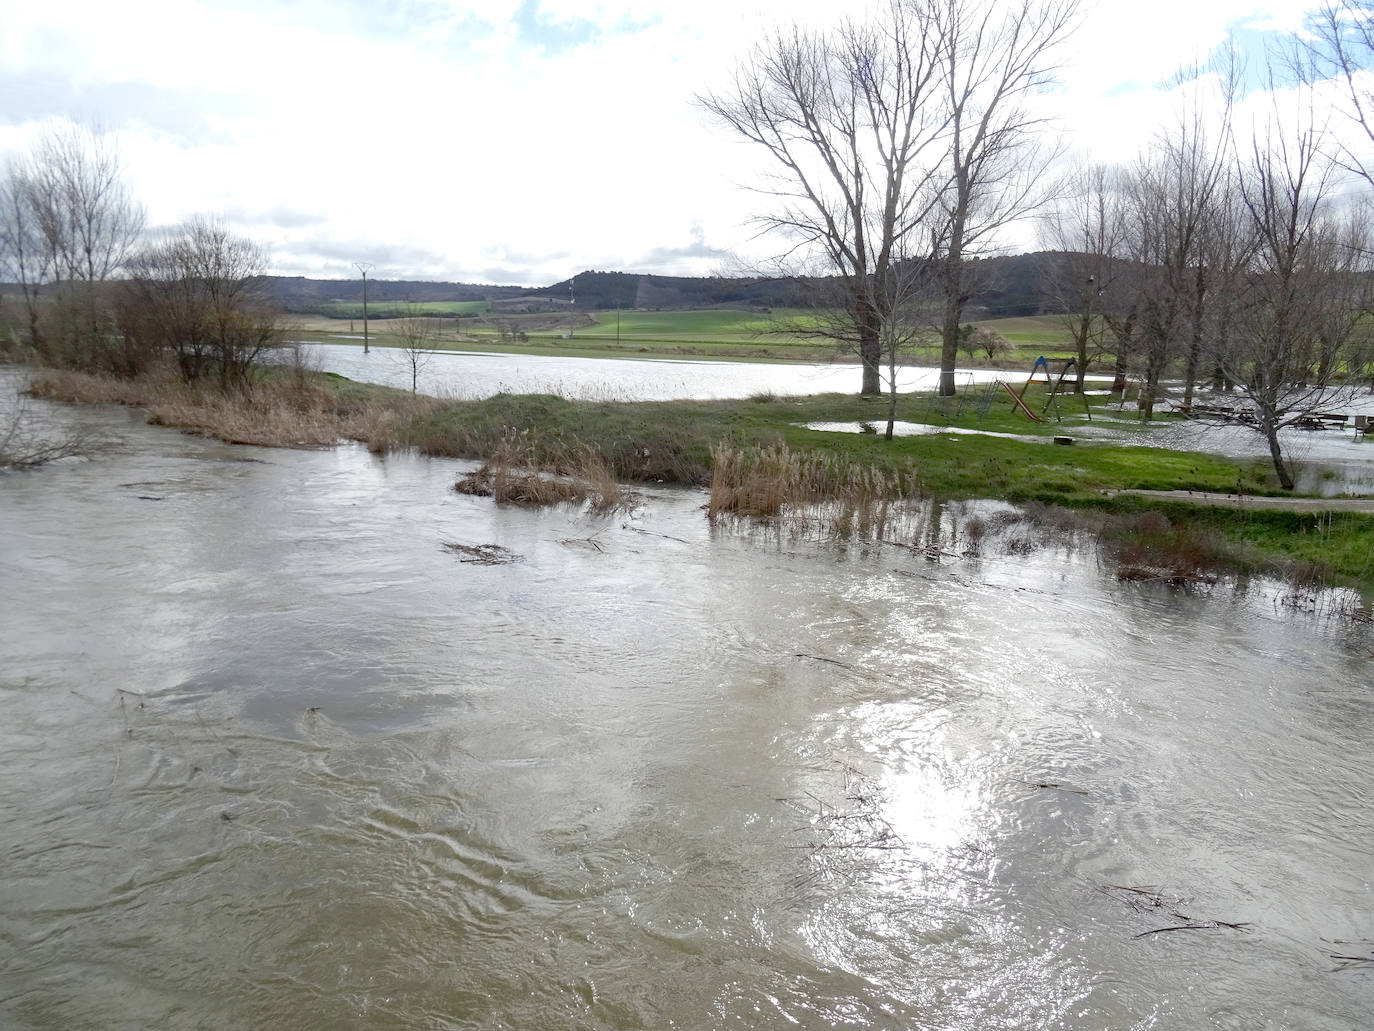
(198, 295)
(1342, 47)
(25, 258)
(88, 224)
(1085, 227)
(1293, 349)
(985, 340)
(416, 333)
(853, 125)
(1172, 197)
(993, 57)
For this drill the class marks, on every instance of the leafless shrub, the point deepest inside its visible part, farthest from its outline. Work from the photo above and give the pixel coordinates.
(25, 444)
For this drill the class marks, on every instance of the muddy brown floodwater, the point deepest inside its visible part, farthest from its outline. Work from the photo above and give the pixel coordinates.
(309, 740)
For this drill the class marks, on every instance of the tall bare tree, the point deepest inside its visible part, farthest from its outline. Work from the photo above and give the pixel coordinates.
(1085, 227)
(1294, 349)
(89, 224)
(25, 258)
(853, 124)
(993, 57)
(1173, 193)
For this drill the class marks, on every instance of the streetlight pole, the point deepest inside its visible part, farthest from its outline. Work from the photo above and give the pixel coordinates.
(364, 267)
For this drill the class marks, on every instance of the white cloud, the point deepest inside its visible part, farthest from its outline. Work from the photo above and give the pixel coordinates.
(440, 136)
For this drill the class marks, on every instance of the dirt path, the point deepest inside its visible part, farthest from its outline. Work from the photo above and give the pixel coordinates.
(1363, 505)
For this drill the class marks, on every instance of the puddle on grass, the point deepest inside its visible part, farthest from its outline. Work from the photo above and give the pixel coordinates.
(918, 429)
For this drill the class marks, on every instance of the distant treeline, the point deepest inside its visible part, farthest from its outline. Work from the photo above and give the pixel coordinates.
(1022, 284)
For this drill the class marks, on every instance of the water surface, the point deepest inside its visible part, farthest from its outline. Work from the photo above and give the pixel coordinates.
(272, 755)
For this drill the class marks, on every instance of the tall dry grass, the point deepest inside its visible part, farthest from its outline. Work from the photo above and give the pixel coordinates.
(763, 483)
(290, 408)
(814, 488)
(520, 472)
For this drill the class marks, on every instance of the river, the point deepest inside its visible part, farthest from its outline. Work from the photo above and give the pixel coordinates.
(276, 752)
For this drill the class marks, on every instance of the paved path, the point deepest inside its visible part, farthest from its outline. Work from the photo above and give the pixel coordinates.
(1252, 501)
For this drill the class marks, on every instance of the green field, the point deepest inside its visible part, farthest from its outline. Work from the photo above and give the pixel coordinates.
(399, 309)
(717, 333)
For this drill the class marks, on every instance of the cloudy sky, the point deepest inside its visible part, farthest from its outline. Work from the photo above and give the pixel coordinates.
(506, 141)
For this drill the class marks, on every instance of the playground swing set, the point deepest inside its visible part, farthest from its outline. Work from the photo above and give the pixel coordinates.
(1055, 385)
(989, 394)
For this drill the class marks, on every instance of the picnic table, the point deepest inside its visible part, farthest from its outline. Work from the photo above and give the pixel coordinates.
(1321, 421)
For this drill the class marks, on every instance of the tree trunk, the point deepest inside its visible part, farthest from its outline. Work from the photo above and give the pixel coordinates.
(1119, 373)
(871, 352)
(1153, 369)
(949, 346)
(1271, 434)
(1084, 329)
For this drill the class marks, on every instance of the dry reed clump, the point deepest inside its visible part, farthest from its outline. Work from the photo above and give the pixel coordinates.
(519, 471)
(1150, 547)
(767, 483)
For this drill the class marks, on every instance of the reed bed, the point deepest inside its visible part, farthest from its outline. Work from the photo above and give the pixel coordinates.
(285, 408)
(772, 481)
(522, 471)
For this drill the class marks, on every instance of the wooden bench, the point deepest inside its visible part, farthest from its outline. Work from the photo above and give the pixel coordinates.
(1361, 425)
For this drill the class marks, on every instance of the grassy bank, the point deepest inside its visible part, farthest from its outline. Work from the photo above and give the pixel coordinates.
(758, 457)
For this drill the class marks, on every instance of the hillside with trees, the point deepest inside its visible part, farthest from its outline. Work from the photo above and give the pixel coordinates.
(1023, 284)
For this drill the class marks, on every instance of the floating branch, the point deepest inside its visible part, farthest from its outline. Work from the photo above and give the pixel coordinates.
(822, 658)
(1205, 925)
(653, 533)
(481, 554)
(1347, 961)
(1057, 787)
(1151, 899)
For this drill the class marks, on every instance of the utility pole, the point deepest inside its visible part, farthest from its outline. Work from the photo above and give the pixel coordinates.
(364, 267)
(572, 309)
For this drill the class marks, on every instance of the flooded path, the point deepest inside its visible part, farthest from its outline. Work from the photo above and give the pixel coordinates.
(275, 753)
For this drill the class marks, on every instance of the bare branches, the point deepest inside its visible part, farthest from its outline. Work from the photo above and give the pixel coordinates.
(1342, 48)
(993, 58)
(416, 334)
(26, 444)
(197, 295)
(67, 225)
(853, 125)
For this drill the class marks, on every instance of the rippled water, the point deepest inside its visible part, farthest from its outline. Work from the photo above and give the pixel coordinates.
(271, 755)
